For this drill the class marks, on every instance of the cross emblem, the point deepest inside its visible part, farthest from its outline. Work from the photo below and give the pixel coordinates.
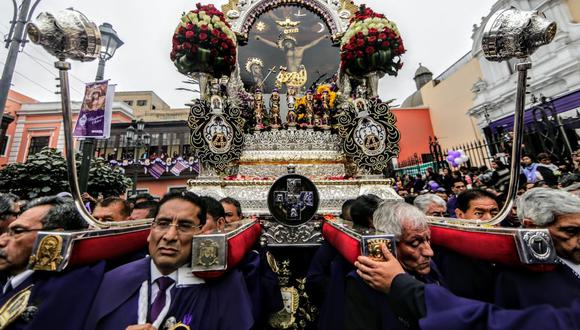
(293, 200)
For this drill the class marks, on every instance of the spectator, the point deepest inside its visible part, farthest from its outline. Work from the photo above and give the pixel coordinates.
(531, 169)
(476, 204)
(549, 171)
(457, 187)
(112, 209)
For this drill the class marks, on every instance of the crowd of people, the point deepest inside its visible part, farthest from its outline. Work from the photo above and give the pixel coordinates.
(419, 286)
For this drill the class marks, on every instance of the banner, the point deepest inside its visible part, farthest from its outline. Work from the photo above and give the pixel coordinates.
(94, 119)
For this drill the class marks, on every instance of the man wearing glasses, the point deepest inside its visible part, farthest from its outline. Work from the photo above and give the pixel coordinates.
(49, 292)
(160, 291)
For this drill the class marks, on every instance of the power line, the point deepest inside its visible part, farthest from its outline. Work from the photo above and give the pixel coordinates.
(49, 70)
(32, 81)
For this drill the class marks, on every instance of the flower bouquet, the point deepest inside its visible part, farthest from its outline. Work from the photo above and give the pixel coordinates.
(203, 42)
(371, 43)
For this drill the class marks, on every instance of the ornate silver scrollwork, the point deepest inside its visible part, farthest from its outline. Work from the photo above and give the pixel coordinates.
(276, 234)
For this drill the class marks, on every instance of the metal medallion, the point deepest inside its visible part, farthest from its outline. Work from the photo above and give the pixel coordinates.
(208, 253)
(293, 200)
(48, 255)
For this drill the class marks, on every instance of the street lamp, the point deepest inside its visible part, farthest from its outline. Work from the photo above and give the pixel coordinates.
(137, 138)
(110, 42)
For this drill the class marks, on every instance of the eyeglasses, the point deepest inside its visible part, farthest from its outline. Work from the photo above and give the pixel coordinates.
(181, 226)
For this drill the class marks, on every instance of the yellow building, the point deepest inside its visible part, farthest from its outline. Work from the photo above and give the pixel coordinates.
(150, 107)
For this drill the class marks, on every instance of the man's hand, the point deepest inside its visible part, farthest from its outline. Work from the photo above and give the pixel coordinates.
(88, 198)
(146, 326)
(379, 274)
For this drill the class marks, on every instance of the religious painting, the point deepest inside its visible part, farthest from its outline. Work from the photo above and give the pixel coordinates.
(288, 46)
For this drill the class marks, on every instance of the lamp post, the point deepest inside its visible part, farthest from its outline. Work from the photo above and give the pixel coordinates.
(110, 42)
(137, 138)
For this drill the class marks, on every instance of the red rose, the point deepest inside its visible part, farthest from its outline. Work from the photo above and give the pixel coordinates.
(203, 36)
(214, 41)
(372, 39)
(223, 35)
(181, 30)
(383, 36)
(373, 31)
(360, 35)
(352, 39)
(225, 45)
(230, 42)
(189, 27)
(370, 49)
(213, 52)
(360, 42)
(359, 53)
(186, 45)
(204, 27)
(189, 35)
(385, 44)
(173, 55)
(215, 32)
(193, 49)
(350, 56)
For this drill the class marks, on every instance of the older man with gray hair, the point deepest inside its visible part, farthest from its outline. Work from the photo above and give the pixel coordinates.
(559, 212)
(366, 308)
(431, 204)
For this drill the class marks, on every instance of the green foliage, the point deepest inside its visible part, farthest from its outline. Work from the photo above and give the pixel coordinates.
(45, 173)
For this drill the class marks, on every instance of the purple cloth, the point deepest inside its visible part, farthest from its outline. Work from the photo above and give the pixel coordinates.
(451, 206)
(219, 304)
(325, 285)
(164, 283)
(366, 308)
(446, 311)
(63, 299)
(521, 289)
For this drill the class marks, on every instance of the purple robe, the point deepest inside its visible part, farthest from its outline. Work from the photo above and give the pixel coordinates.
(62, 300)
(368, 309)
(521, 289)
(447, 311)
(223, 303)
(325, 285)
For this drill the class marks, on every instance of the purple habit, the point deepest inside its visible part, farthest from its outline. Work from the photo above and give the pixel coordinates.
(220, 304)
(447, 311)
(521, 289)
(62, 299)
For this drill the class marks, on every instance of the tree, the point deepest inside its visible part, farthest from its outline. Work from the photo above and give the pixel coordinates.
(45, 173)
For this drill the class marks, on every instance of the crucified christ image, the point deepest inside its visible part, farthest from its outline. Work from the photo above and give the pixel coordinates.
(294, 54)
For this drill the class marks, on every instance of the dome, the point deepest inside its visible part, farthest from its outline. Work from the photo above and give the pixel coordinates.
(422, 70)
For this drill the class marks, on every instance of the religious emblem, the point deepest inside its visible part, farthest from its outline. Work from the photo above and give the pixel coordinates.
(14, 307)
(293, 199)
(217, 104)
(285, 318)
(47, 256)
(219, 134)
(370, 136)
(216, 139)
(371, 139)
(371, 246)
(208, 253)
(255, 66)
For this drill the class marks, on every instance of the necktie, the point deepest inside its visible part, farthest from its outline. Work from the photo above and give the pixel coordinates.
(159, 302)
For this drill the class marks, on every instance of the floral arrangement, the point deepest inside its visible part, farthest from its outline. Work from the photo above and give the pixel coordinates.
(204, 42)
(371, 43)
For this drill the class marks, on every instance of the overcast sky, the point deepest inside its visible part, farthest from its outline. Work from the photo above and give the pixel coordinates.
(436, 34)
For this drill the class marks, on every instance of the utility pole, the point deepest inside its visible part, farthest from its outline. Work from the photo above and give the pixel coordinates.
(16, 39)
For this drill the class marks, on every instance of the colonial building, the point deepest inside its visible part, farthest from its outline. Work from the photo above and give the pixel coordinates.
(474, 98)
